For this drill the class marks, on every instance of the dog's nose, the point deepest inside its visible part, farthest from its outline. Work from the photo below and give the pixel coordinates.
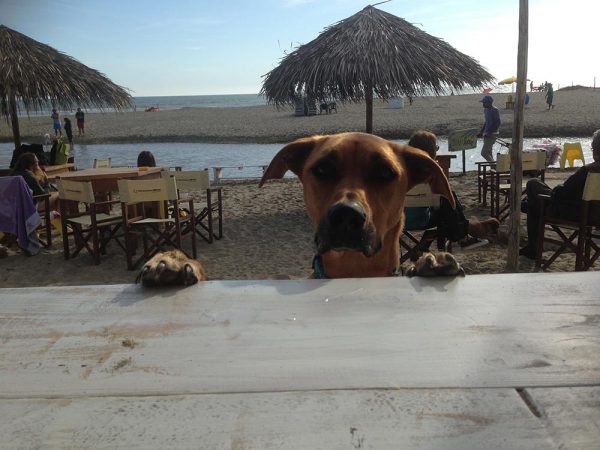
(346, 219)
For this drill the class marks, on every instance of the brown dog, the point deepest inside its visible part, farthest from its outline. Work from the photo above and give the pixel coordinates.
(354, 189)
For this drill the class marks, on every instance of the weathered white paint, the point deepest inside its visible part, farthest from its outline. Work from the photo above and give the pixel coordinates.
(362, 363)
(479, 331)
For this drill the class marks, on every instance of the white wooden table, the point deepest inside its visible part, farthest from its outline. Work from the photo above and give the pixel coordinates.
(487, 361)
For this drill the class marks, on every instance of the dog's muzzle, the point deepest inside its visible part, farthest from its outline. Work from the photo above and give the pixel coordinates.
(346, 228)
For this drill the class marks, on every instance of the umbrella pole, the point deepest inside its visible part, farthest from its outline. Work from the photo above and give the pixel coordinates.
(369, 102)
(14, 118)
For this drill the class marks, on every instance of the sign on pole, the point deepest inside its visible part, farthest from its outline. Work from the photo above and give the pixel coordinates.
(461, 140)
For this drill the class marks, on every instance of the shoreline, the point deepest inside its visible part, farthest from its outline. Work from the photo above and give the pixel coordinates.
(575, 115)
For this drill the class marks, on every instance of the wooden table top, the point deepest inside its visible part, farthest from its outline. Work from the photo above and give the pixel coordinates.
(361, 363)
(109, 173)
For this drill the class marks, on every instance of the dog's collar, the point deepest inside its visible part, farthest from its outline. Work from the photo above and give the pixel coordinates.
(319, 270)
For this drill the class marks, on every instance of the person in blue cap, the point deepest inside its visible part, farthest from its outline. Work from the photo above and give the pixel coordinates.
(491, 126)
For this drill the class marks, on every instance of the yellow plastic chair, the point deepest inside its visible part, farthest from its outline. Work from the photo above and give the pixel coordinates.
(571, 152)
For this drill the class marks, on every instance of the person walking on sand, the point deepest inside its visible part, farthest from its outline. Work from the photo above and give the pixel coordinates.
(491, 126)
(56, 123)
(80, 116)
(68, 130)
(549, 95)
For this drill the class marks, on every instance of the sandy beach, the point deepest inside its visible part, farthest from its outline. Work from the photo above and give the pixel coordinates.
(576, 113)
(267, 234)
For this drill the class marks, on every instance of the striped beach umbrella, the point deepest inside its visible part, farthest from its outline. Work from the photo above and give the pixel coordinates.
(371, 53)
(40, 76)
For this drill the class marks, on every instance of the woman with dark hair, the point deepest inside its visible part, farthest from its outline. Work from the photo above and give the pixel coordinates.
(28, 167)
(146, 159)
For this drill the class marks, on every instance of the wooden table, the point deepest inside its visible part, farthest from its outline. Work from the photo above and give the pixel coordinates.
(487, 361)
(58, 170)
(105, 179)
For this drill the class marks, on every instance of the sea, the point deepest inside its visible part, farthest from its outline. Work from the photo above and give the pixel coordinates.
(236, 160)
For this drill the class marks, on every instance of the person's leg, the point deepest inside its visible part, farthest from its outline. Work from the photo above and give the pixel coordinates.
(535, 187)
(486, 150)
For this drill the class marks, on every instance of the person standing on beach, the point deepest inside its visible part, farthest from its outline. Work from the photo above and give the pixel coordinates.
(491, 126)
(56, 123)
(80, 116)
(549, 95)
(68, 130)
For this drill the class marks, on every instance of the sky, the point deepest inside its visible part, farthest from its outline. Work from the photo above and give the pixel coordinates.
(204, 47)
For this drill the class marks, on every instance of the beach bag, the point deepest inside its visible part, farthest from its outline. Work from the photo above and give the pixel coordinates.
(59, 154)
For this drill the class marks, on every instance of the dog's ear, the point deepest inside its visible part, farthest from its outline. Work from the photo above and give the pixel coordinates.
(291, 157)
(421, 168)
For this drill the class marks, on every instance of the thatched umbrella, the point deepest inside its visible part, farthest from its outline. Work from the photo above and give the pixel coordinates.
(39, 76)
(371, 52)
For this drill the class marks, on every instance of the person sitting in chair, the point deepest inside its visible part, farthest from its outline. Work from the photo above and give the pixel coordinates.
(451, 222)
(146, 159)
(28, 167)
(565, 199)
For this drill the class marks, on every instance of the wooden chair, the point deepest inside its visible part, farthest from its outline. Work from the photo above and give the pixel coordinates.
(102, 163)
(46, 241)
(198, 181)
(91, 224)
(586, 230)
(500, 179)
(157, 233)
(484, 176)
(421, 196)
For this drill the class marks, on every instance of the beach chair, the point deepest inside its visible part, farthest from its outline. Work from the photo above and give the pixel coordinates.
(198, 181)
(91, 224)
(157, 233)
(102, 163)
(499, 182)
(571, 152)
(586, 230)
(421, 196)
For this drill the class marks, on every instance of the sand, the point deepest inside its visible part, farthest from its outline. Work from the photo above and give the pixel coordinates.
(576, 114)
(267, 234)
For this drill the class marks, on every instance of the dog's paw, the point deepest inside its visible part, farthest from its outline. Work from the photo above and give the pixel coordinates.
(169, 268)
(430, 265)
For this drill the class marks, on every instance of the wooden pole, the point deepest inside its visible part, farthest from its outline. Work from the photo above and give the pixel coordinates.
(516, 162)
(14, 118)
(369, 102)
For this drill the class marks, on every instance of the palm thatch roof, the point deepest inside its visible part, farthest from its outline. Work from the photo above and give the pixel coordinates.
(372, 52)
(40, 75)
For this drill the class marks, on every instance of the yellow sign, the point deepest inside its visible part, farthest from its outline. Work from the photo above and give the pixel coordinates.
(462, 139)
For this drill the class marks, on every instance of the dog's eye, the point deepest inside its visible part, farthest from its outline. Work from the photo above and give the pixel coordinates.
(382, 173)
(324, 171)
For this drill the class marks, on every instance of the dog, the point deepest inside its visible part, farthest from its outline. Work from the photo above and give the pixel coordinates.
(430, 265)
(483, 227)
(171, 268)
(354, 189)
